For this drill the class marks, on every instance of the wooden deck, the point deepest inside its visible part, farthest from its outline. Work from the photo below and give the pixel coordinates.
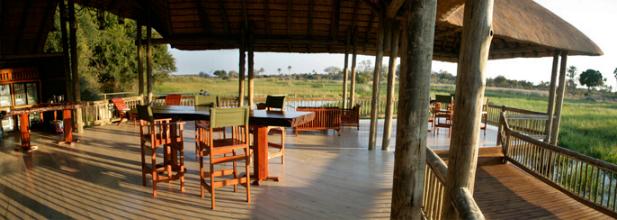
(325, 176)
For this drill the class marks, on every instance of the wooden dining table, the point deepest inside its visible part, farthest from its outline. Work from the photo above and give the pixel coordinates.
(260, 120)
(24, 121)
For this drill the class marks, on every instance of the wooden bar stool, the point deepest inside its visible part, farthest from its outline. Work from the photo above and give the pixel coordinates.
(160, 134)
(225, 150)
(275, 103)
(205, 101)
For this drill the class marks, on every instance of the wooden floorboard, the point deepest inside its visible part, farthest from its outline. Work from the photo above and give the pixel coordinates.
(325, 176)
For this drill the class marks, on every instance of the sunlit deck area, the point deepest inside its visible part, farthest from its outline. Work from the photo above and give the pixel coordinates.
(325, 176)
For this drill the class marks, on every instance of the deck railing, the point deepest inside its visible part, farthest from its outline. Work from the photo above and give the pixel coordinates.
(528, 122)
(102, 112)
(589, 180)
(434, 192)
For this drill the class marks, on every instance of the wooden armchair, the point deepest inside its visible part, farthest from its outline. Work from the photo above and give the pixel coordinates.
(225, 150)
(443, 112)
(124, 112)
(205, 101)
(162, 134)
(351, 117)
(173, 99)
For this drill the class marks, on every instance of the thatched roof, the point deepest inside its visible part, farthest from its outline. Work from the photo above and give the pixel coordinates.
(522, 27)
(24, 25)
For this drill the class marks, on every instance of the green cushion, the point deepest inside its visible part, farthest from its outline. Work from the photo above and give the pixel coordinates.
(227, 117)
(144, 112)
(209, 101)
(275, 102)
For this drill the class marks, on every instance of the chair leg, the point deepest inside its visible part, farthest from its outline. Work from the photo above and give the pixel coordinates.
(235, 172)
(248, 176)
(283, 146)
(202, 178)
(143, 164)
(212, 196)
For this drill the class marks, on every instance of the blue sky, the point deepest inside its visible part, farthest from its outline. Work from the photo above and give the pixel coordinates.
(594, 18)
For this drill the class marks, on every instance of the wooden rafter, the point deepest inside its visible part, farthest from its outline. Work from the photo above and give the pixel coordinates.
(368, 30)
(203, 17)
(309, 28)
(2, 19)
(334, 20)
(40, 35)
(22, 24)
(393, 8)
(224, 15)
(289, 23)
(266, 17)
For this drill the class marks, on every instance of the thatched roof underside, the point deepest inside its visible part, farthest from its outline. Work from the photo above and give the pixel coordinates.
(522, 28)
(24, 25)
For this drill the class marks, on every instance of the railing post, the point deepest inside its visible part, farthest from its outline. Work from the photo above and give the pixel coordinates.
(499, 128)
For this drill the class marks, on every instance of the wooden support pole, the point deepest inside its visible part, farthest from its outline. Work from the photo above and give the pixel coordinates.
(394, 42)
(79, 125)
(345, 73)
(550, 112)
(251, 74)
(561, 93)
(149, 76)
(241, 70)
(376, 76)
(352, 87)
(65, 51)
(140, 64)
(415, 79)
(470, 85)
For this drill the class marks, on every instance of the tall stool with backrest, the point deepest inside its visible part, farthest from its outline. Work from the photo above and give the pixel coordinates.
(173, 99)
(276, 103)
(210, 102)
(218, 151)
(443, 112)
(157, 134)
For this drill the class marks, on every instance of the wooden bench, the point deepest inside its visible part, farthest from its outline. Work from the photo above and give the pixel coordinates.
(325, 118)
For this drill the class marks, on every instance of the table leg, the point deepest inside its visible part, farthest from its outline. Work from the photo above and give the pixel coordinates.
(24, 131)
(68, 126)
(260, 154)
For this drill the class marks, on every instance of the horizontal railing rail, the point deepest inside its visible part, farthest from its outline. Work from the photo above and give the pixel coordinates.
(433, 202)
(589, 180)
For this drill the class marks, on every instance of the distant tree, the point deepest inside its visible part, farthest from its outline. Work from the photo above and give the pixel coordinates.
(279, 70)
(232, 74)
(220, 73)
(289, 69)
(332, 70)
(202, 74)
(260, 71)
(591, 78)
(572, 71)
(615, 73)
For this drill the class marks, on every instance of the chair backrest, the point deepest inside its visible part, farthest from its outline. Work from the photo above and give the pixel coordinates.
(228, 117)
(144, 112)
(443, 99)
(119, 103)
(209, 101)
(173, 99)
(275, 102)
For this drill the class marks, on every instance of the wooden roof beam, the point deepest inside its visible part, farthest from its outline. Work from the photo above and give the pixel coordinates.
(266, 17)
(334, 20)
(203, 17)
(22, 24)
(393, 8)
(288, 23)
(224, 15)
(41, 36)
(368, 31)
(309, 29)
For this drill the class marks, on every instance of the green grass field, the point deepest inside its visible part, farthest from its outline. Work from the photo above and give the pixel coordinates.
(587, 126)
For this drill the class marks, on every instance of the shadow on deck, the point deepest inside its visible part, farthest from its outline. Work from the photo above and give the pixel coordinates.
(325, 176)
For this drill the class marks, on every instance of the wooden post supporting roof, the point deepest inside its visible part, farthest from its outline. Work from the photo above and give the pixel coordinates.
(345, 72)
(352, 87)
(65, 51)
(551, 97)
(149, 76)
(251, 73)
(140, 64)
(470, 84)
(387, 127)
(415, 79)
(561, 93)
(79, 125)
(375, 95)
(241, 70)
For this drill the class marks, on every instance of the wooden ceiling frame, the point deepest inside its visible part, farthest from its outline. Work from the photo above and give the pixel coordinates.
(41, 36)
(203, 17)
(22, 25)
